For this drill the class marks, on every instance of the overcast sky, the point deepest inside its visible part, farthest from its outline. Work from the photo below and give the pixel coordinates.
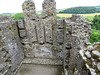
(14, 6)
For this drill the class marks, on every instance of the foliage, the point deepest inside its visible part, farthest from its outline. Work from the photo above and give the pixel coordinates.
(39, 13)
(58, 17)
(96, 22)
(95, 37)
(0, 14)
(18, 16)
(90, 18)
(81, 10)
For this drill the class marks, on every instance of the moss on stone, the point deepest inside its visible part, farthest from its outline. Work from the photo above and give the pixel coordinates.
(55, 48)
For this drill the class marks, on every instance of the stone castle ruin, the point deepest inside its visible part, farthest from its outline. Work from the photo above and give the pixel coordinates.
(45, 45)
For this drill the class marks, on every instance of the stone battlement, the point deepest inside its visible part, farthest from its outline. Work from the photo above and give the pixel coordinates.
(45, 41)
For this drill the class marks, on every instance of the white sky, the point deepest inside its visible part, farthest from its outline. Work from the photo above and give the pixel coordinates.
(14, 6)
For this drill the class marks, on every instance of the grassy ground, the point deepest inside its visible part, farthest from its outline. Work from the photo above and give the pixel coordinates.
(87, 16)
(90, 16)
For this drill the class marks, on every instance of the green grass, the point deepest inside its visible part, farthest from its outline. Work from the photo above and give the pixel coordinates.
(39, 13)
(85, 15)
(90, 18)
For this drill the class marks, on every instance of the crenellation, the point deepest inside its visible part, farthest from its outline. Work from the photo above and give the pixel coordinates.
(40, 31)
(49, 8)
(48, 30)
(29, 11)
(49, 16)
(29, 18)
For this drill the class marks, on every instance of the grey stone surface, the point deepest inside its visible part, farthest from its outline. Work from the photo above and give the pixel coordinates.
(48, 30)
(41, 39)
(12, 42)
(98, 66)
(78, 31)
(40, 31)
(49, 16)
(30, 69)
(60, 24)
(49, 8)
(92, 63)
(87, 53)
(21, 24)
(60, 36)
(22, 33)
(28, 8)
(5, 18)
(43, 51)
(29, 18)
(42, 61)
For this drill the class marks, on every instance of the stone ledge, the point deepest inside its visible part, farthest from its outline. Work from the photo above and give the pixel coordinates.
(42, 61)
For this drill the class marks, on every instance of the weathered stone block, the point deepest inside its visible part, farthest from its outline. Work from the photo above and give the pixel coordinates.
(49, 8)
(40, 31)
(13, 45)
(60, 23)
(48, 32)
(60, 36)
(4, 18)
(22, 33)
(31, 30)
(29, 9)
(98, 66)
(21, 24)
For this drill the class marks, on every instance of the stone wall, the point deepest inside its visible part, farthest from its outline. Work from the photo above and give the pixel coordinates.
(40, 31)
(41, 39)
(12, 44)
(78, 31)
(5, 60)
(91, 56)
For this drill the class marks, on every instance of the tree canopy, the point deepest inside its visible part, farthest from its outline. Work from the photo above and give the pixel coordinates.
(81, 10)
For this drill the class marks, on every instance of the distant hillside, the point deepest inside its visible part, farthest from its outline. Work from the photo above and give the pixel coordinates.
(8, 14)
(56, 10)
(81, 10)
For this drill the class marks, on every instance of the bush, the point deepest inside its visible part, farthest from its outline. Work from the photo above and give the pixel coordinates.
(95, 37)
(18, 16)
(96, 22)
(58, 17)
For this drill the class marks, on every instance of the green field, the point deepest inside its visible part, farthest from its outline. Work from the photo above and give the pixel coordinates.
(89, 16)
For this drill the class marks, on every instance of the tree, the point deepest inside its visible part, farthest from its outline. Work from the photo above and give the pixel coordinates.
(96, 22)
(80, 10)
(95, 37)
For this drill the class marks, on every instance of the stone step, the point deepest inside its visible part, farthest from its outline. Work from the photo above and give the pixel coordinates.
(43, 61)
